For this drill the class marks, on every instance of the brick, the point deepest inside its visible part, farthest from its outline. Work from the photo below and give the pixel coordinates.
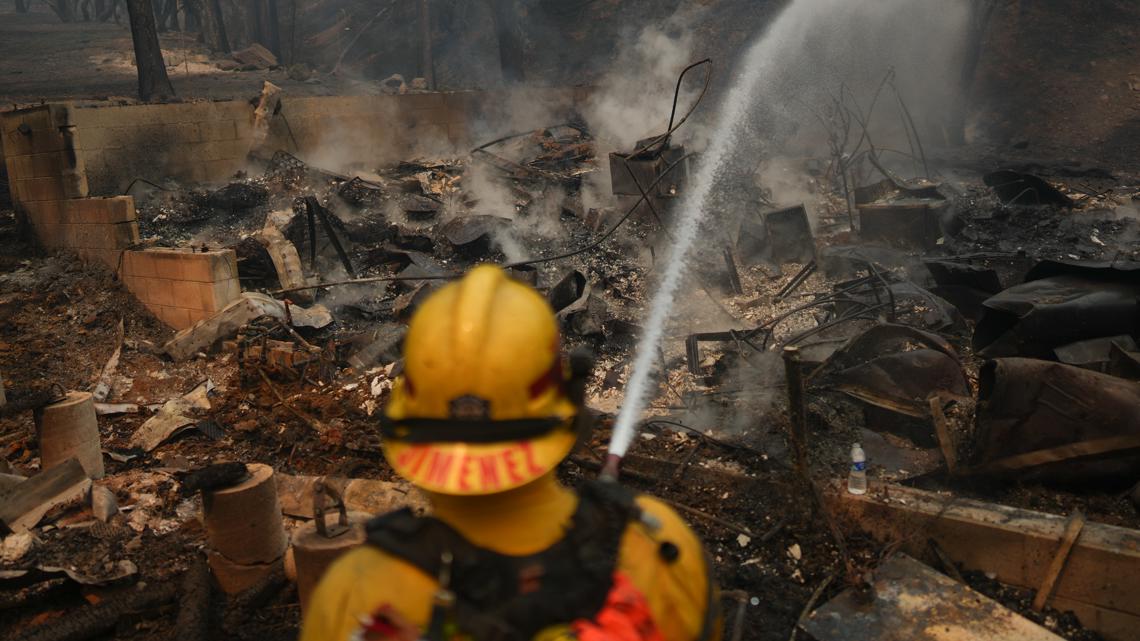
(159, 291)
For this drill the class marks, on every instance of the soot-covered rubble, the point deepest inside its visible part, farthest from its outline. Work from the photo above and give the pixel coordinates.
(976, 334)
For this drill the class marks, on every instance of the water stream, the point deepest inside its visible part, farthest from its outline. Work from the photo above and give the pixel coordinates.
(802, 55)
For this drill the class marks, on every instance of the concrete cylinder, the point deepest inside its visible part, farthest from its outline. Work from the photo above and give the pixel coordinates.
(234, 578)
(313, 553)
(69, 429)
(243, 522)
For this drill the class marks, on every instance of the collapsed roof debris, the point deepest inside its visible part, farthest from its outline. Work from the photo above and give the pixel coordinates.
(189, 423)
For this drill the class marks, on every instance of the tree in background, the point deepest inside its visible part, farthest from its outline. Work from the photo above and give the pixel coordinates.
(153, 81)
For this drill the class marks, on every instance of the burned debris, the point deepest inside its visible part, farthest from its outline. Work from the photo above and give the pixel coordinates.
(894, 389)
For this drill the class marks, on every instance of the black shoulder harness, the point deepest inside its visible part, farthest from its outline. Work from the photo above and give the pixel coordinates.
(507, 598)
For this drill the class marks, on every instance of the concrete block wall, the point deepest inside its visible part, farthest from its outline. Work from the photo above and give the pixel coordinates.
(189, 142)
(41, 155)
(181, 286)
(334, 131)
(98, 229)
(48, 182)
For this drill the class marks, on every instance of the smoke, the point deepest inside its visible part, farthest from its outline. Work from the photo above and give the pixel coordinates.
(814, 48)
(633, 99)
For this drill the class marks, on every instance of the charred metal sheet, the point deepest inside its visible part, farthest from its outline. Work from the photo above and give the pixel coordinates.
(1094, 353)
(568, 290)
(777, 237)
(907, 223)
(472, 235)
(1045, 421)
(1016, 188)
(963, 284)
(896, 368)
(237, 196)
(525, 273)
(1059, 304)
(909, 601)
(645, 168)
(1123, 363)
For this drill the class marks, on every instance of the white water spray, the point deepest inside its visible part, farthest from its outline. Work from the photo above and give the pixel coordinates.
(804, 54)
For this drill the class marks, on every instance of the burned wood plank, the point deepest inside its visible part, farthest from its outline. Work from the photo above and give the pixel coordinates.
(1101, 583)
(911, 602)
(1072, 531)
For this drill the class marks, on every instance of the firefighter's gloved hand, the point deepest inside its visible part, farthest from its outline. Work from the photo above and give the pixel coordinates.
(624, 617)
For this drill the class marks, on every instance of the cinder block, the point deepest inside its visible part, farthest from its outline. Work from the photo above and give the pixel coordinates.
(159, 291)
(20, 167)
(197, 315)
(176, 317)
(233, 109)
(47, 141)
(139, 264)
(186, 294)
(168, 263)
(210, 267)
(183, 132)
(215, 296)
(47, 212)
(42, 189)
(218, 130)
(113, 210)
(50, 235)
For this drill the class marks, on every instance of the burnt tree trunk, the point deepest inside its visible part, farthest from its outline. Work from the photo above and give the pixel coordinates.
(253, 23)
(510, 40)
(208, 15)
(427, 65)
(153, 81)
(271, 25)
(65, 9)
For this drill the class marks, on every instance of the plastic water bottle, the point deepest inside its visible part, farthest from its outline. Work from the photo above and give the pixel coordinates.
(857, 479)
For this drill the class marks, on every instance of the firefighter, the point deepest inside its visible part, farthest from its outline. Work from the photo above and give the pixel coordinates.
(480, 418)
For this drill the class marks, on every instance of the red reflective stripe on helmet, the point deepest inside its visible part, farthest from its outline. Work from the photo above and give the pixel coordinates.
(551, 378)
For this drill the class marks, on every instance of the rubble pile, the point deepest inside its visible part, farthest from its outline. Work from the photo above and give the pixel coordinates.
(971, 338)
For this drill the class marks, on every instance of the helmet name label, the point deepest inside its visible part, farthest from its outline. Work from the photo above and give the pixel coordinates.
(470, 472)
